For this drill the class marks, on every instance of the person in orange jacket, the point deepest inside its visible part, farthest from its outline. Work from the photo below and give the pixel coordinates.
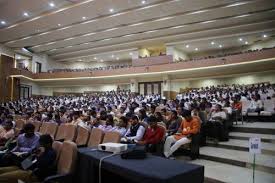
(189, 126)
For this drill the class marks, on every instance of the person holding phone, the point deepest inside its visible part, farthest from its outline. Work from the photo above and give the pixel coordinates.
(42, 164)
(189, 126)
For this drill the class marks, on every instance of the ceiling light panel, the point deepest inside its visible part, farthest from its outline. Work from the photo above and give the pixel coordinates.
(72, 30)
(90, 7)
(170, 6)
(124, 34)
(61, 53)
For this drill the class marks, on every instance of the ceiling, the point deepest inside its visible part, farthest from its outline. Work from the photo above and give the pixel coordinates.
(73, 31)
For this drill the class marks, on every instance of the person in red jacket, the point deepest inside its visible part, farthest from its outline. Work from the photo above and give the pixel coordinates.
(153, 135)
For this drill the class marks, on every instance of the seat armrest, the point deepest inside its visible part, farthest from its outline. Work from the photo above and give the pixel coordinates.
(58, 178)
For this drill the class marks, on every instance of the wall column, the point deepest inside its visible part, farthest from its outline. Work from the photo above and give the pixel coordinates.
(134, 86)
(166, 87)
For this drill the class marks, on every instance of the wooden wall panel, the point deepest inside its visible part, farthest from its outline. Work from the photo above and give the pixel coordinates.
(7, 85)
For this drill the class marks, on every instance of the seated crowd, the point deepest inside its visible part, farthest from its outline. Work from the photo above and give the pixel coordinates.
(148, 121)
(220, 55)
(110, 67)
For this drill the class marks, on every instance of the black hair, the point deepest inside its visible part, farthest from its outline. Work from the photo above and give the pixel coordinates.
(29, 127)
(152, 119)
(174, 112)
(134, 117)
(45, 140)
(186, 113)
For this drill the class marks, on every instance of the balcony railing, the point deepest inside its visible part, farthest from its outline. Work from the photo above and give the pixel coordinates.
(171, 66)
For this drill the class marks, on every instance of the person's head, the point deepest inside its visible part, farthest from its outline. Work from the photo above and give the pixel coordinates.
(152, 121)
(134, 120)
(8, 125)
(153, 109)
(163, 111)
(29, 130)
(10, 117)
(142, 113)
(187, 115)
(159, 116)
(123, 122)
(174, 114)
(218, 108)
(46, 141)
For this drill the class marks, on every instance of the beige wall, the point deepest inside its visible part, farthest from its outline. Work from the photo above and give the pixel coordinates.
(179, 54)
(6, 51)
(48, 91)
(36, 90)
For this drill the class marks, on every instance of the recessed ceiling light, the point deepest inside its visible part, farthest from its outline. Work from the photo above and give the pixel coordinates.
(246, 42)
(3, 22)
(86, 43)
(59, 25)
(264, 35)
(143, 2)
(187, 46)
(101, 60)
(79, 60)
(196, 49)
(25, 14)
(19, 57)
(240, 39)
(113, 56)
(117, 58)
(95, 58)
(52, 4)
(84, 18)
(131, 53)
(220, 46)
(111, 10)
(212, 42)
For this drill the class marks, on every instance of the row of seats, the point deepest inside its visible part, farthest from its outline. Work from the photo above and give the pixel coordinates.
(268, 110)
(67, 132)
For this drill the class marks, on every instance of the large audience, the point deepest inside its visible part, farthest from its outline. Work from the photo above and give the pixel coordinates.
(143, 120)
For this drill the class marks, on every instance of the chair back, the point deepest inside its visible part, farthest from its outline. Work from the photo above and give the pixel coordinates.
(111, 137)
(51, 129)
(16, 132)
(245, 105)
(61, 132)
(70, 133)
(67, 158)
(57, 146)
(20, 123)
(269, 106)
(82, 136)
(37, 125)
(96, 137)
(43, 128)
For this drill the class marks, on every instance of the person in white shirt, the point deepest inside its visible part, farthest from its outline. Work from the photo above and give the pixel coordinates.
(217, 114)
(136, 131)
(121, 127)
(256, 105)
